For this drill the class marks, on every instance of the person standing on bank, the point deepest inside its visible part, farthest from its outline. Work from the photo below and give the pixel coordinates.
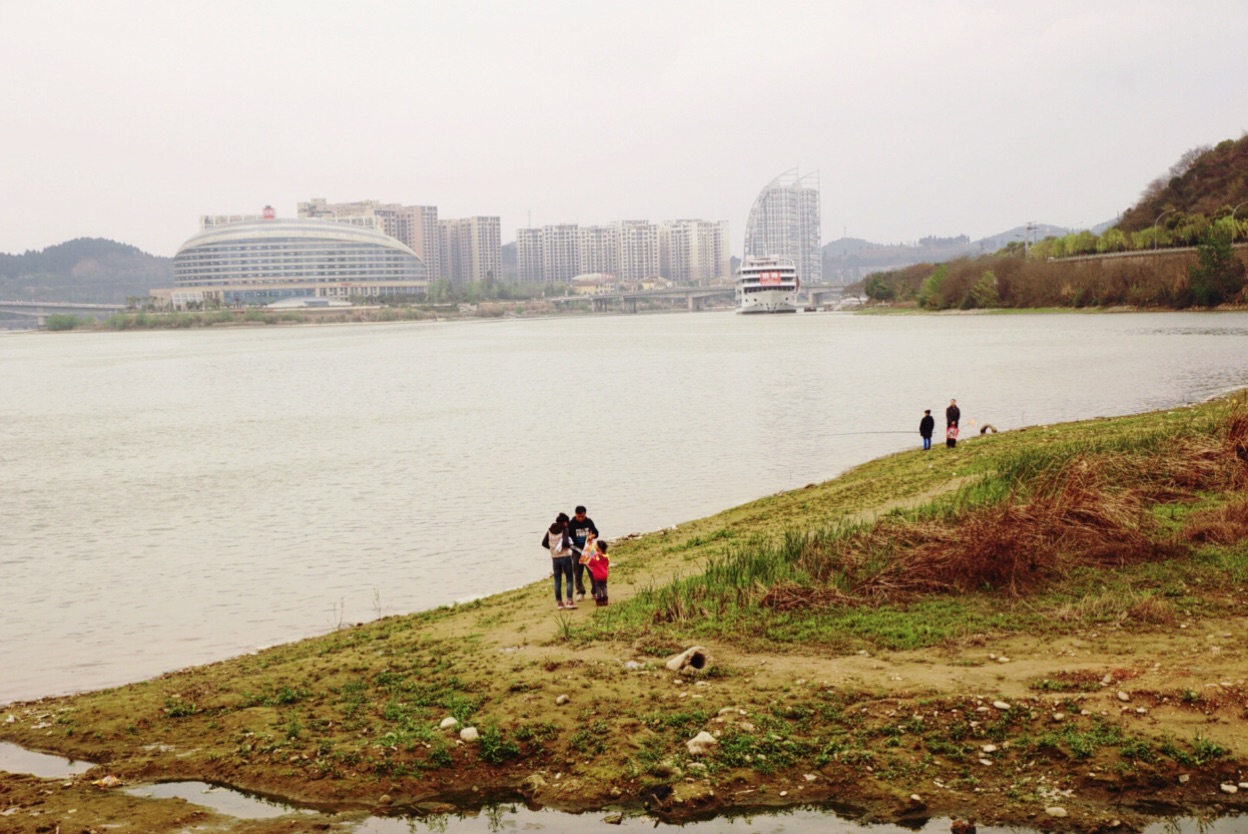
(951, 436)
(952, 414)
(559, 541)
(581, 527)
(926, 426)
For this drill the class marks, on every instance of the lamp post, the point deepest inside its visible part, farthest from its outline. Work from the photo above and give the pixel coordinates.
(1156, 230)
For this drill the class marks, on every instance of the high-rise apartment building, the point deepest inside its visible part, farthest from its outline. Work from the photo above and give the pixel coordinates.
(600, 249)
(784, 222)
(561, 255)
(529, 256)
(693, 251)
(638, 250)
(470, 249)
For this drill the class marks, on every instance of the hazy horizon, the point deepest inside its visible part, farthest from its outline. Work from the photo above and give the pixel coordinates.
(134, 118)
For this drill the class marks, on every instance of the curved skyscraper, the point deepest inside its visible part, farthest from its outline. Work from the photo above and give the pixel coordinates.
(784, 222)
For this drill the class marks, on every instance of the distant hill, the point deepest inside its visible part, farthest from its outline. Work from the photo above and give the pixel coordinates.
(86, 269)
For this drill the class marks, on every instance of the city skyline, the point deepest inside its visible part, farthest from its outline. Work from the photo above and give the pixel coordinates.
(923, 119)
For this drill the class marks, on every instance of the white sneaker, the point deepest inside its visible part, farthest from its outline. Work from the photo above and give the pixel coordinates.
(580, 596)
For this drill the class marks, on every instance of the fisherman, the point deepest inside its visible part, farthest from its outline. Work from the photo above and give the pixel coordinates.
(926, 426)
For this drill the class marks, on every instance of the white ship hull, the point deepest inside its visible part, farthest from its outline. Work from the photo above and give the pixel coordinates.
(768, 301)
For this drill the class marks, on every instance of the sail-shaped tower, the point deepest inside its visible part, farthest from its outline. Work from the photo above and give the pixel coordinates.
(784, 223)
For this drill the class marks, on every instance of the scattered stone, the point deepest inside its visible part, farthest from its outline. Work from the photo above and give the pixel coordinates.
(1243, 786)
(633, 665)
(1003, 659)
(1059, 716)
(697, 767)
(1184, 778)
(693, 660)
(1141, 711)
(1227, 787)
(385, 799)
(109, 781)
(562, 699)
(989, 748)
(784, 793)
(448, 724)
(616, 793)
(1000, 704)
(1122, 696)
(985, 762)
(469, 734)
(810, 777)
(701, 744)
(533, 783)
(613, 819)
(1055, 811)
(914, 797)
(727, 711)
(1107, 680)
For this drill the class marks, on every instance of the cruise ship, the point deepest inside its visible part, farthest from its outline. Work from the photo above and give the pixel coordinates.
(767, 285)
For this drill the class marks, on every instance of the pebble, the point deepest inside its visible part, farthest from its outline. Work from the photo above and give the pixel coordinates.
(1227, 787)
(985, 761)
(1003, 659)
(448, 724)
(385, 799)
(989, 748)
(1055, 811)
(1243, 786)
(1184, 778)
(914, 797)
(469, 734)
(1059, 716)
(784, 793)
(1122, 696)
(562, 699)
(1000, 705)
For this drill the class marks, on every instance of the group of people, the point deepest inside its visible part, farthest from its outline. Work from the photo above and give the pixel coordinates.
(928, 424)
(576, 549)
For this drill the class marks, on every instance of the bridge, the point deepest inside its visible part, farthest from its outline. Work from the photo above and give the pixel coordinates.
(40, 310)
(695, 297)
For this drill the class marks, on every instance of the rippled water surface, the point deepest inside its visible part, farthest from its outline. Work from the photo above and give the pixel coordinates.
(172, 498)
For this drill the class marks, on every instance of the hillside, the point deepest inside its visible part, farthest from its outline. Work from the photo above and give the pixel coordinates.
(1206, 182)
(1038, 620)
(90, 270)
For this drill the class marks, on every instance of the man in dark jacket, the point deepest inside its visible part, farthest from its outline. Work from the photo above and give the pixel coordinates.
(952, 414)
(926, 425)
(580, 527)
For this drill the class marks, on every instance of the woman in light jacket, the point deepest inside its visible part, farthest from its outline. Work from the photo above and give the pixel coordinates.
(559, 540)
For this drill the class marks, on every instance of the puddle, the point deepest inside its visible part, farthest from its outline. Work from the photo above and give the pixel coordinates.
(222, 800)
(14, 759)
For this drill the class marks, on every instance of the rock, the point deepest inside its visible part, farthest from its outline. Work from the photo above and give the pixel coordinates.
(633, 665)
(109, 781)
(533, 783)
(616, 793)
(701, 744)
(692, 661)
(914, 797)
(727, 711)
(1059, 716)
(448, 724)
(562, 699)
(989, 748)
(1227, 787)
(1000, 704)
(613, 819)
(1184, 779)
(385, 799)
(469, 734)
(985, 762)
(810, 777)
(1055, 811)
(1003, 659)
(697, 767)
(1243, 786)
(1107, 680)
(1122, 696)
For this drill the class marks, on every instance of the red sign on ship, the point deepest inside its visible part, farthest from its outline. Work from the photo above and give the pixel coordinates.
(769, 278)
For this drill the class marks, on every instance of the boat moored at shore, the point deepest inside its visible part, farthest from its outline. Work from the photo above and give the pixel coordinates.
(767, 285)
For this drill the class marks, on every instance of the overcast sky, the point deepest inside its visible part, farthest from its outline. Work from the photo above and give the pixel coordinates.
(128, 120)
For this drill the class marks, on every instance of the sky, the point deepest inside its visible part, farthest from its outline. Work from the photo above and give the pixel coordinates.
(128, 120)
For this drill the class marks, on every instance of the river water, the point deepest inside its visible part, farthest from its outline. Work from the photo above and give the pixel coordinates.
(176, 497)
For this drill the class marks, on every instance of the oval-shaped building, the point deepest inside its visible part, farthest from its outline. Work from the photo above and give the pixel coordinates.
(260, 261)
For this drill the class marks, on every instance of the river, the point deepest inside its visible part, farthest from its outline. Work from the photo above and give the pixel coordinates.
(176, 497)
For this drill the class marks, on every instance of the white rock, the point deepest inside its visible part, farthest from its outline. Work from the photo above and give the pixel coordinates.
(784, 793)
(1227, 787)
(1184, 778)
(448, 723)
(701, 744)
(914, 797)
(469, 734)
(1059, 716)
(1243, 786)
(989, 748)
(810, 777)
(562, 699)
(1122, 696)
(985, 761)
(1055, 811)
(1000, 705)
(1003, 659)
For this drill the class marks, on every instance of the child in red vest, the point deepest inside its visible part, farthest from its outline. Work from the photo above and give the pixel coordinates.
(599, 568)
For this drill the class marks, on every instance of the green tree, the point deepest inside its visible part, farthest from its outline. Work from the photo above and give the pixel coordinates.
(983, 294)
(1218, 274)
(878, 289)
(930, 294)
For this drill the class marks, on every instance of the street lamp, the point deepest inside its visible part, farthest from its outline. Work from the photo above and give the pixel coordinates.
(1156, 230)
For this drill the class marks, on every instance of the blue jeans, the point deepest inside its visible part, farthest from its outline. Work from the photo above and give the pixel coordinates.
(563, 570)
(927, 443)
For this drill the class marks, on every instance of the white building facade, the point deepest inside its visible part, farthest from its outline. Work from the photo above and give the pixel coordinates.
(784, 222)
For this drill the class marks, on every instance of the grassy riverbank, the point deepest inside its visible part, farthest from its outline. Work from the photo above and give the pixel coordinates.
(1049, 618)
